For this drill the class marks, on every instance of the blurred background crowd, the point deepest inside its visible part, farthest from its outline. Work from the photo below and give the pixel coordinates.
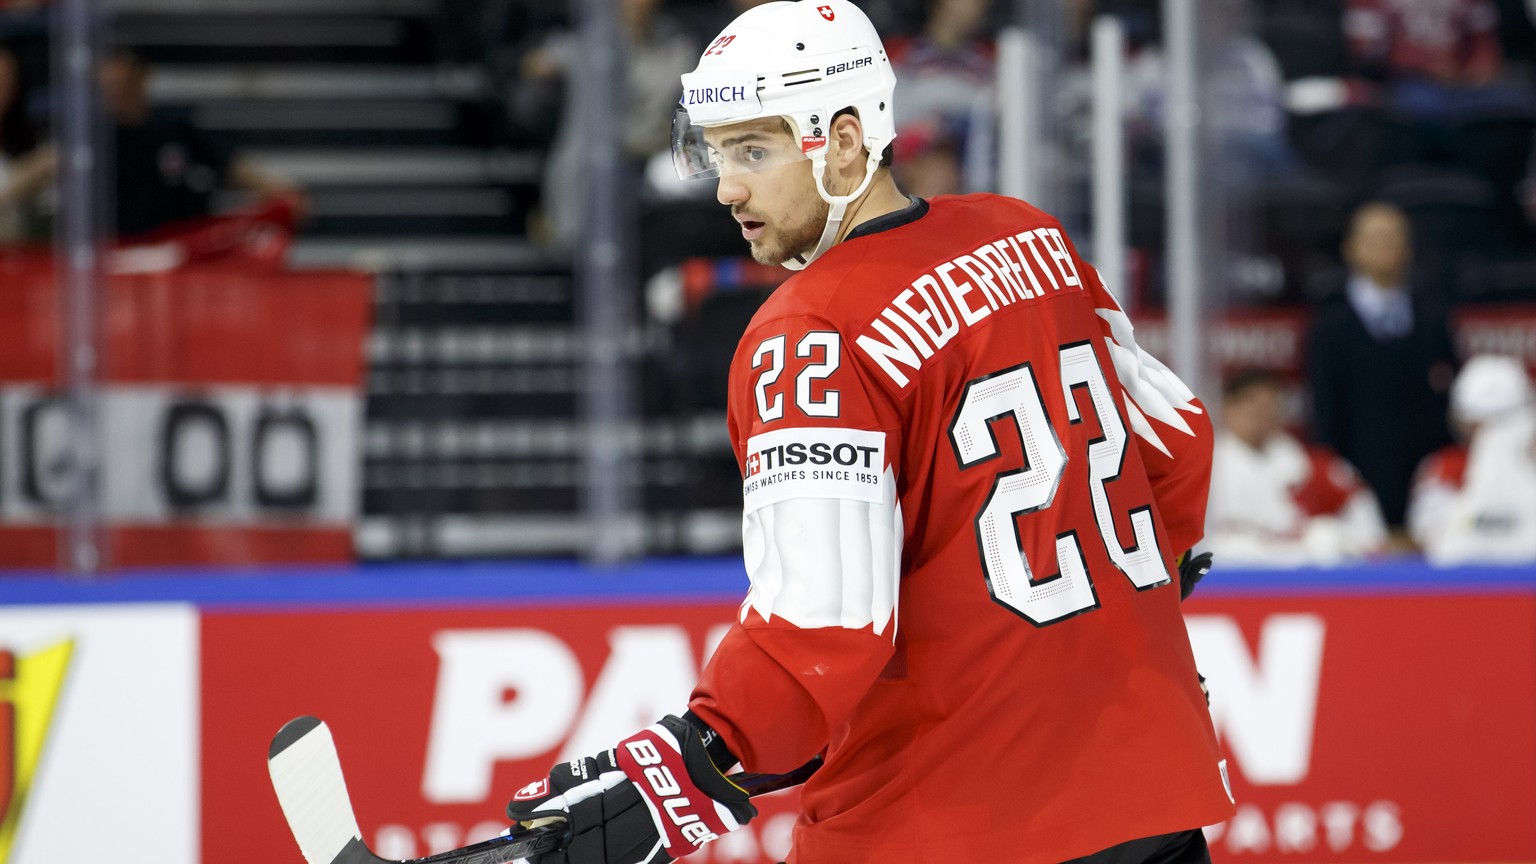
(1368, 337)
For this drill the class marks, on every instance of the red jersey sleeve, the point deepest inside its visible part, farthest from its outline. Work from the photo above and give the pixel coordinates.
(821, 541)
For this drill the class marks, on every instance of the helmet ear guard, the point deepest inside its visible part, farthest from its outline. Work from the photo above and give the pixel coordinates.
(837, 204)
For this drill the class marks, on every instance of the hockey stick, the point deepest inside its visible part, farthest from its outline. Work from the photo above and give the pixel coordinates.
(306, 774)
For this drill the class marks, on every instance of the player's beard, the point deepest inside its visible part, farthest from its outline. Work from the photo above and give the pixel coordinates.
(779, 243)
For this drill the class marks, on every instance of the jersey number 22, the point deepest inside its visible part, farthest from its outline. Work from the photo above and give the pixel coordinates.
(1014, 393)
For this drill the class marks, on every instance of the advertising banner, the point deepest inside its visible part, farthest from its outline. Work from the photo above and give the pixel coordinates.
(1383, 714)
(98, 734)
(230, 415)
(1358, 728)
(1374, 728)
(440, 715)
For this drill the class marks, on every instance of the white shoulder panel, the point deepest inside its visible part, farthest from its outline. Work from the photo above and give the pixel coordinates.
(826, 562)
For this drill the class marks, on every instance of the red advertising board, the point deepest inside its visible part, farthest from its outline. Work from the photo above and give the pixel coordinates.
(1359, 728)
(440, 715)
(1374, 728)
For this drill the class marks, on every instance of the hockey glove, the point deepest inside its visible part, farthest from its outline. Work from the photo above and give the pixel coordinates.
(655, 797)
(1192, 568)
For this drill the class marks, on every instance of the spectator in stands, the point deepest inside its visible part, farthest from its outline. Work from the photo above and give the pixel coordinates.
(1247, 87)
(1447, 46)
(1447, 95)
(1476, 500)
(944, 116)
(657, 51)
(22, 167)
(1441, 67)
(165, 168)
(1276, 501)
(1380, 361)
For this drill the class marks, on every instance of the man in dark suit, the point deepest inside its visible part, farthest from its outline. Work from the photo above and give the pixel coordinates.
(1380, 361)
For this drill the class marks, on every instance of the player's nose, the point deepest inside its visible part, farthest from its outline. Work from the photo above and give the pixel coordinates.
(730, 190)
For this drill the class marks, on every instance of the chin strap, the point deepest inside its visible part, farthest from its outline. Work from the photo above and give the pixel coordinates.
(835, 213)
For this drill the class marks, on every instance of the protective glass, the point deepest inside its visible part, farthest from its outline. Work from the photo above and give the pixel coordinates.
(735, 149)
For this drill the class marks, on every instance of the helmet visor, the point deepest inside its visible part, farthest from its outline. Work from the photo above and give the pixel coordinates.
(738, 148)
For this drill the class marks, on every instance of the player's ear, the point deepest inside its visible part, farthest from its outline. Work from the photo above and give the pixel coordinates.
(847, 139)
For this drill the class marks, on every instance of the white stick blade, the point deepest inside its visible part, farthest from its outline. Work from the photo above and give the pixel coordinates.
(306, 774)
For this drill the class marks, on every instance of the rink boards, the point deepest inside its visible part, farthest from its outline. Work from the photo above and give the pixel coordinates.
(1377, 714)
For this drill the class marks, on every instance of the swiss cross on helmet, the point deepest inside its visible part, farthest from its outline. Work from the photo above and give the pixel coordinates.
(803, 61)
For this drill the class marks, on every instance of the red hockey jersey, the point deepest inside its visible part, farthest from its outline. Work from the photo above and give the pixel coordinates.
(964, 488)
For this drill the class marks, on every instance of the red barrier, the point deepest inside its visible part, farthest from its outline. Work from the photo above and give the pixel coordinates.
(1392, 728)
(440, 715)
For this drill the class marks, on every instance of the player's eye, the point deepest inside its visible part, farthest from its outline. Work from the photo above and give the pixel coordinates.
(747, 157)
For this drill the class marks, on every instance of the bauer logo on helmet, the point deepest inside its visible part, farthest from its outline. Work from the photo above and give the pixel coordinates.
(849, 65)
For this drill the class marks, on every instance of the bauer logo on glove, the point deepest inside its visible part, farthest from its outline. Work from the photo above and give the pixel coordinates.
(655, 797)
(693, 816)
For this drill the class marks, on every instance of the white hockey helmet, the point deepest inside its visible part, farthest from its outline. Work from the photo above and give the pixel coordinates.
(803, 61)
(1487, 386)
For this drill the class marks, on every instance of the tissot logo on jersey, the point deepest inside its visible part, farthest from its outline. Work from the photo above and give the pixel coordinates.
(961, 292)
(816, 453)
(817, 462)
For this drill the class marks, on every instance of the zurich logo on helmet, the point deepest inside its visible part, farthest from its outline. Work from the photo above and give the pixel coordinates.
(826, 12)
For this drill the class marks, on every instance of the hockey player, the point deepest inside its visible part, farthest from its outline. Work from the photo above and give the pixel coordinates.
(964, 488)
